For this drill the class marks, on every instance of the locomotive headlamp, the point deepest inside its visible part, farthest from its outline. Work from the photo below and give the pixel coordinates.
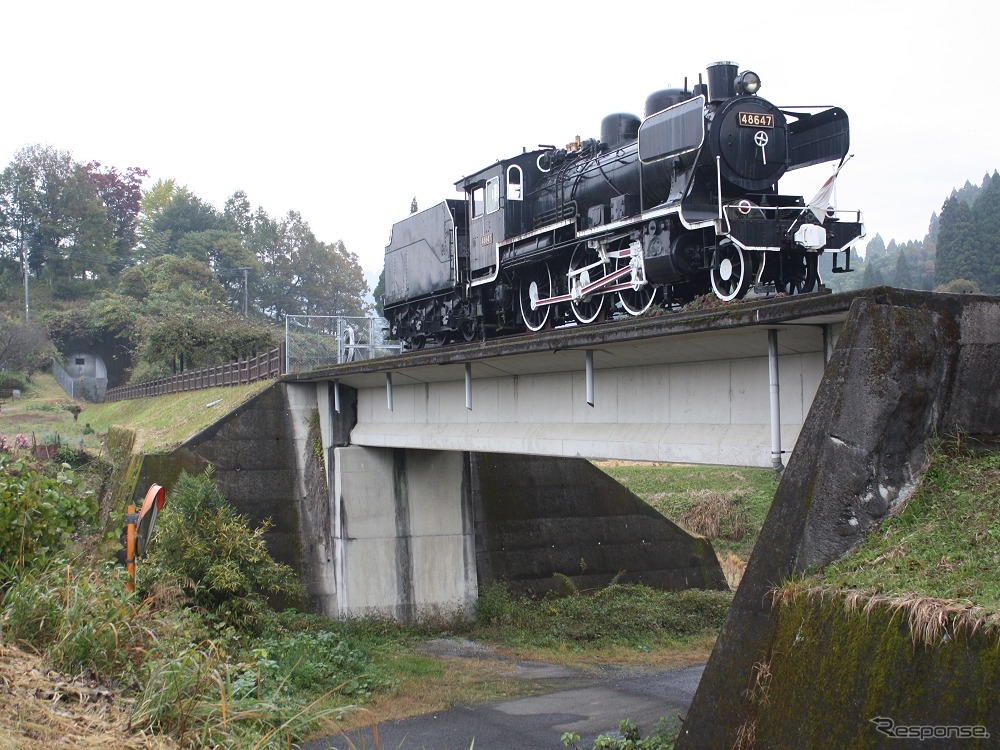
(748, 82)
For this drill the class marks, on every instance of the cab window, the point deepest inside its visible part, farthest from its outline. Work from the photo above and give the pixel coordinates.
(514, 177)
(478, 201)
(492, 195)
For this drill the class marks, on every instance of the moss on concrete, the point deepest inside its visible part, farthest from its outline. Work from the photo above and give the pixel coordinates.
(832, 671)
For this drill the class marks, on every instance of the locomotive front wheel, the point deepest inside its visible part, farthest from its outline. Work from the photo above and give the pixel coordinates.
(536, 284)
(590, 308)
(799, 275)
(730, 273)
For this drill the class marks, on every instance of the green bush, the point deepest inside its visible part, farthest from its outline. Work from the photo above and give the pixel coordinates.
(16, 380)
(203, 545)
(39, 511)
(318, 661)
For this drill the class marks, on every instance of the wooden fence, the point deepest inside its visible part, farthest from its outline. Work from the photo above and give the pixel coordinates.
(268, 365)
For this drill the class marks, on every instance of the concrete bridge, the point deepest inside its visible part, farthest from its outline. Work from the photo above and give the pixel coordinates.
(403, 484)
(445, 469)
(724, 386)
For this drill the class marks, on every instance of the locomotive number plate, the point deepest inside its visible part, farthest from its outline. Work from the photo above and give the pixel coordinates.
(756, 120)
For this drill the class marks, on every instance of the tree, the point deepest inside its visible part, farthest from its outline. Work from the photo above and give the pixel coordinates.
(932, 229)
(121, 194)
(185, 213)
(872, 276)
(303, 276)
(903, 278)
(379, 292)
(986, 217)
(54, 218)
(957, 243)
(24, 346)
(875, 248)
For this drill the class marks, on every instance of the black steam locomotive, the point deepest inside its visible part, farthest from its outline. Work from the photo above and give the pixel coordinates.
(684, 201)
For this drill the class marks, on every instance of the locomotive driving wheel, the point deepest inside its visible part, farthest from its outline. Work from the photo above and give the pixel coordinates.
(590, 308)
(636, 301)
(799, 274)
(536, 284)
(730, 273)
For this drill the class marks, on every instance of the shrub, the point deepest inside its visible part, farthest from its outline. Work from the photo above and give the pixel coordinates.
(13, 380)
(203, 545)
(39, 511)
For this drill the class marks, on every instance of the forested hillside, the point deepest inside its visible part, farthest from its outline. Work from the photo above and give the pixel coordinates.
(957, 254)
(153, 271)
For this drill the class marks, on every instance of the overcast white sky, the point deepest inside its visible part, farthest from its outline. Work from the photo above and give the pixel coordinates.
(346, 111)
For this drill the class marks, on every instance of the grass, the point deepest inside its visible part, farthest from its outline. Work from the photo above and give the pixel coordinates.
(727, 505)
(620, 617)
(161, 423)
(944, 543)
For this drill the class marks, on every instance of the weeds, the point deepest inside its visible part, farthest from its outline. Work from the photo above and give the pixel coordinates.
(83, 621)
(624, 615)
(663, 737)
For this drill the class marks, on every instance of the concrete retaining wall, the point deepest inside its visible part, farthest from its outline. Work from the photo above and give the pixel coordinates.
(538, 516)
(909, 366)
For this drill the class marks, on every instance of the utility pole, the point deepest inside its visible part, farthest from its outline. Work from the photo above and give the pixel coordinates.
(245, 270)
(24, 266)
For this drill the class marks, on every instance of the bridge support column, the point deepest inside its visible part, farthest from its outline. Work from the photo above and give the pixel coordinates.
(403, 533)
(772, 367)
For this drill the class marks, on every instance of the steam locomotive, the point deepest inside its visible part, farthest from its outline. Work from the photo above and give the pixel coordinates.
(661, 210)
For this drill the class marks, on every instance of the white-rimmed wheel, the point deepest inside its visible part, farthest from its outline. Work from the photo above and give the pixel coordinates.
(590, 308)
(350, 350)
(639, 298)
(731, 272)
(536, 284)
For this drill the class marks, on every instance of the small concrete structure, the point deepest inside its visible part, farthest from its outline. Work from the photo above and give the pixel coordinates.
(87, 376)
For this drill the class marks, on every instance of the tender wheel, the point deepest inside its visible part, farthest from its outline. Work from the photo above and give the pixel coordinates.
(730, 273)
(636, 301)
(536, 284)
(800, 274)
(586, 309)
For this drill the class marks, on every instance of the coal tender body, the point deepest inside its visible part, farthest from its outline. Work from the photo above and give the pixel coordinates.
(657, 211)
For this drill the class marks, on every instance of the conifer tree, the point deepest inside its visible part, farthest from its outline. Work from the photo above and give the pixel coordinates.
(986, 215)
(957, 241)
(903, 278)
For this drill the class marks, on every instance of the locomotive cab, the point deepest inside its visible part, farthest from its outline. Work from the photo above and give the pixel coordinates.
(495, 197)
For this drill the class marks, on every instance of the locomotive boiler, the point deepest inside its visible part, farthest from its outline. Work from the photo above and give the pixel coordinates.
(658, 210)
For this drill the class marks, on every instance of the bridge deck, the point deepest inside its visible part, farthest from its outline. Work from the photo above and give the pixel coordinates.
(671, 338)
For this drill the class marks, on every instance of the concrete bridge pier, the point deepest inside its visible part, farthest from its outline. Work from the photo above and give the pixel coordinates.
(385, 531)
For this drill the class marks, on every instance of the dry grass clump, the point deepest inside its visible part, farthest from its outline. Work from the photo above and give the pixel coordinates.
(715, 514)
(733, 566)
(41, 709)
(930, 620)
